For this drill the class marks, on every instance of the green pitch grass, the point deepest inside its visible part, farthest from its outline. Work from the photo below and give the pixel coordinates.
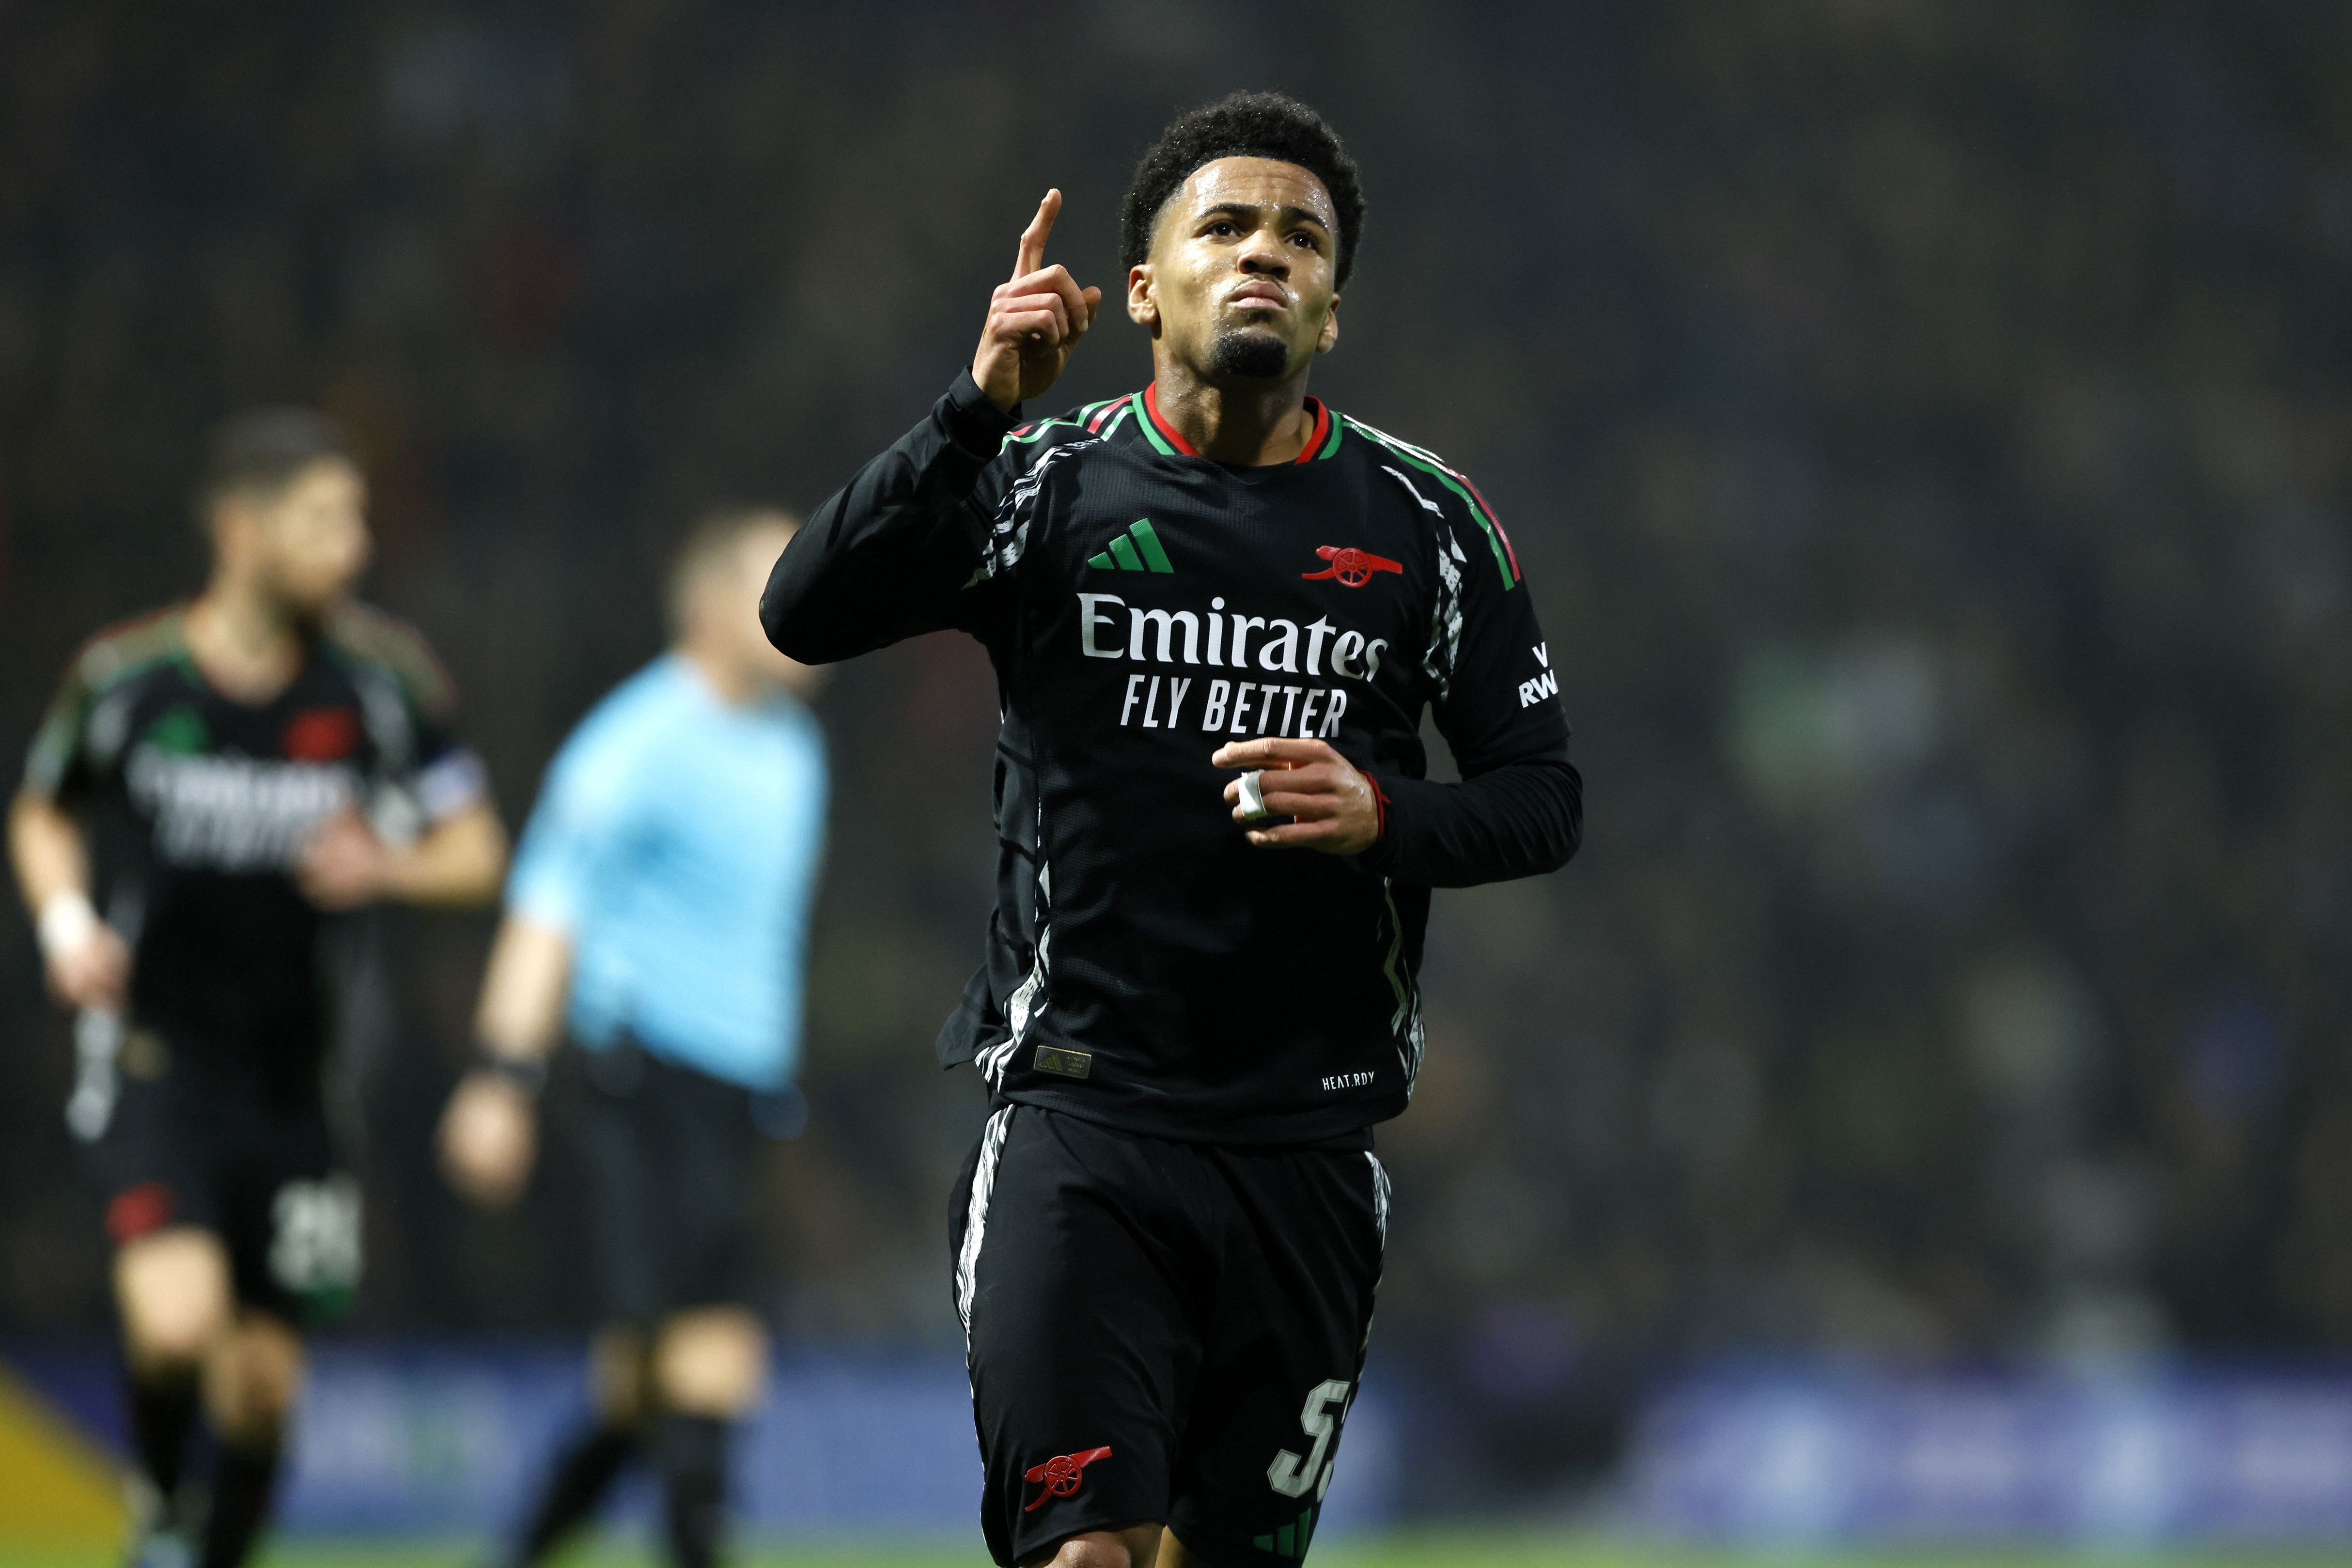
(1416, 1549)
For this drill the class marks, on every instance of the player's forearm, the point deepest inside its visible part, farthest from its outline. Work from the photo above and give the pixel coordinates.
(458, 861)
(884, 559)
(45, 847)
(1522, 819)
(520, 1014)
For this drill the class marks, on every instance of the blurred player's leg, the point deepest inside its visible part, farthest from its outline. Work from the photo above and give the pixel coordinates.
(708, 1370)
(172, 1287)
(585, 1472)
(692, 1454)
(161, 1398)
(184, 1343)
(588, 1465)
(252, 1377)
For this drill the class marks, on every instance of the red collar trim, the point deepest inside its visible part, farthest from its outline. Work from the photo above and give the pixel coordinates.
(1321, 434)
(1168, 432)
(1175, 438)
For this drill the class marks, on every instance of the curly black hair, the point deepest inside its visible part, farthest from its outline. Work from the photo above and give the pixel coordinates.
(1242, 125)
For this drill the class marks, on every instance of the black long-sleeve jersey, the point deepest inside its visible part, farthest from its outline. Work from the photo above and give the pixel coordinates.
(219, 797)
(1147, 967)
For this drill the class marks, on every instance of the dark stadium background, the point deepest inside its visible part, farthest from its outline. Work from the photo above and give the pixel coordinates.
(1925, 424)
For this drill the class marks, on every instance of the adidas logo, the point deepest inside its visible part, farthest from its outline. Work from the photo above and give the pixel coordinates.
(1290, 1541)
(1138, 549)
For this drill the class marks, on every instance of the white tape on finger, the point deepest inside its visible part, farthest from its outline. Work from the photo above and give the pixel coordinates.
(1252, 797)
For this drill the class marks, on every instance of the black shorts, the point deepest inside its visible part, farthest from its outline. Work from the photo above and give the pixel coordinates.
(1161, 1332)
(671, 1154)
(183, 1136)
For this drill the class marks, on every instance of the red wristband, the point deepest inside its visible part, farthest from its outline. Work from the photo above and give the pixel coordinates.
(1380, 808)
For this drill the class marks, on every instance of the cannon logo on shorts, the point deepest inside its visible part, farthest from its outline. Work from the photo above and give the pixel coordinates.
(1061, 1475)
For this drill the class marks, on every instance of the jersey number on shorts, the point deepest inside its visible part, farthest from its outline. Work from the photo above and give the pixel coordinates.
(1294, 1477)
(315, 1245)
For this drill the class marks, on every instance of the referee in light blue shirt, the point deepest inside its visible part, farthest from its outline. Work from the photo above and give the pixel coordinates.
(657, 914)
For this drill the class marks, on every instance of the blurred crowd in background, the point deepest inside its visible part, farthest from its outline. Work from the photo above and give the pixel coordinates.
(1925, 424)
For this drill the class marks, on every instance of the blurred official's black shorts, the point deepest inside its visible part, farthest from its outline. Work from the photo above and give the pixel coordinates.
(182, 1136)
(671, 1154)
(1162, 1332)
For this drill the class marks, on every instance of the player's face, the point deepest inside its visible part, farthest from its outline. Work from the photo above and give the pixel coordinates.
(1240, 286)
(312, 538)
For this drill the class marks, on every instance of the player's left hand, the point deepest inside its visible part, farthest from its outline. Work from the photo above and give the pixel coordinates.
(344, 865)
(1335, 810)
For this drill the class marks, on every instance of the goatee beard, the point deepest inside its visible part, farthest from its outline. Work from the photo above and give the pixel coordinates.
(1249, 356)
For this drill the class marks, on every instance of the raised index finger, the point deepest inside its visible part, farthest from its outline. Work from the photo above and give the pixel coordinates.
(1032, 255)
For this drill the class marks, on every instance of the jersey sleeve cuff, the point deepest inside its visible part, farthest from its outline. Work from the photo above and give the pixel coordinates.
(544, 899)
(454, 782)
(972, 419)
(1380, 855)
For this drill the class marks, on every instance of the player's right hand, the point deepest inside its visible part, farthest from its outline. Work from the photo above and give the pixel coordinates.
(1034, 319)
(489, 1137)
(93, 971)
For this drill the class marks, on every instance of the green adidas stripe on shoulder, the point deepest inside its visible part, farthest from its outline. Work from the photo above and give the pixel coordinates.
(119, 653)
(116, 654)
(1080, 419)
(1029, 433)
(1429, 464)
(362, 631)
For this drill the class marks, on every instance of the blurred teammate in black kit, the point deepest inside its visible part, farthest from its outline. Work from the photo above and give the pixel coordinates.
(276, 757)
(1167, 1239)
